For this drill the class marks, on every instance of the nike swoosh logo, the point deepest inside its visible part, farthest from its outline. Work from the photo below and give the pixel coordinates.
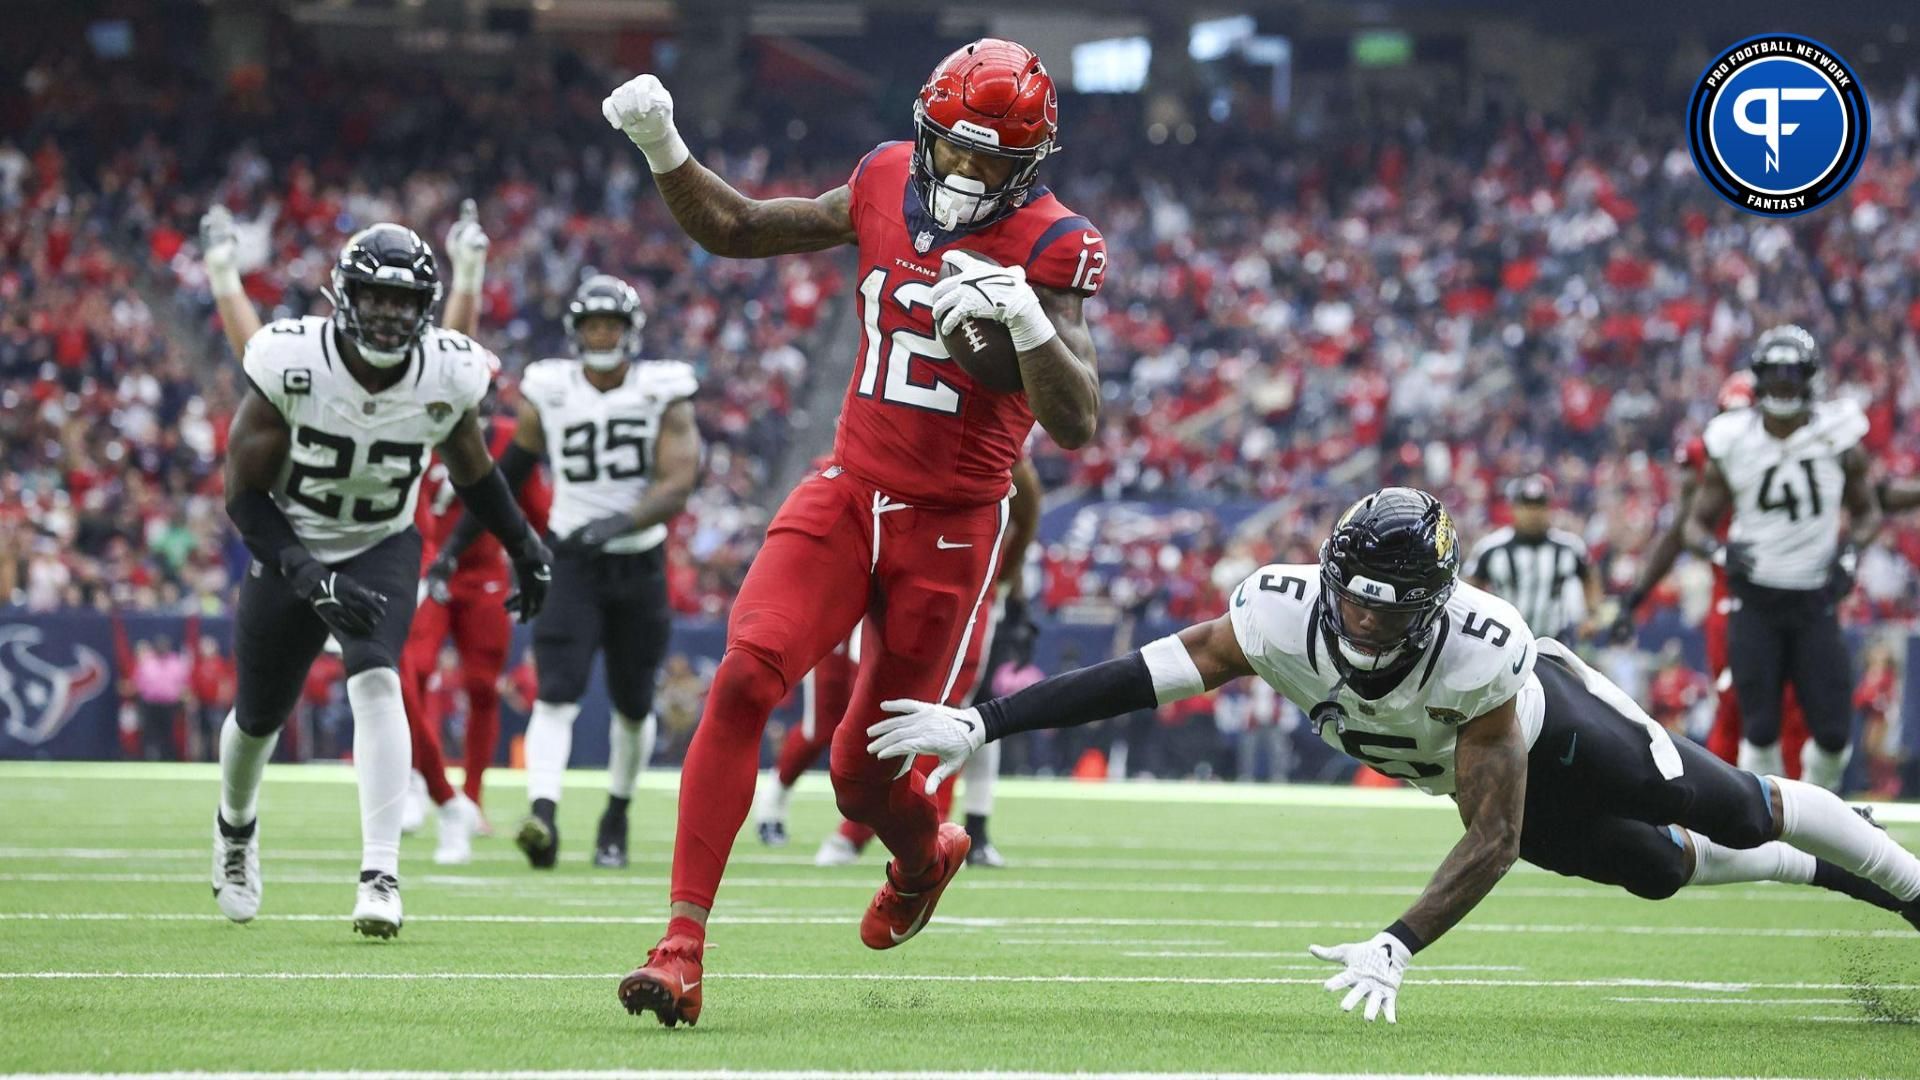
(688, 987)
(1520, 663)
(1572, 744)
(943, 545)
(1090, 239)
(911, 930)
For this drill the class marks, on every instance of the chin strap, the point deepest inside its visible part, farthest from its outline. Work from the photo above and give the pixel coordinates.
(1330, 711)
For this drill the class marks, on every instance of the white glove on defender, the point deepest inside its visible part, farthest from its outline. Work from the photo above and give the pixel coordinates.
(922, 727)
(467, 248)
(1373, 972)
(220, 250)
(643, 109)
(983, 290)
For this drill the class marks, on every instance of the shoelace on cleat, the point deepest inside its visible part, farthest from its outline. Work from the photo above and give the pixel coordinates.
(236, 865)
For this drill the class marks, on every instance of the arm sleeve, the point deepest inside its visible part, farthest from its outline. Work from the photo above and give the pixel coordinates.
(1111, 688)
(264, 528)
(489, 500)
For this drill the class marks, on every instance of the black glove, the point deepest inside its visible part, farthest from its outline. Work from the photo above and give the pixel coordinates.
(1846, 566)
(1624, 627)
(595, 534)
(439, 578)
(532, 573)
(349, 608)
(1737, 557)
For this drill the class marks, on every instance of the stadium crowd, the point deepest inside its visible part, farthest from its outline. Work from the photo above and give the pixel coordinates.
(1448, 302)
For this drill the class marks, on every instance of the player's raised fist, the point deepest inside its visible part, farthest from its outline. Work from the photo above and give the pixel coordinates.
(643, 109)
(467, 242)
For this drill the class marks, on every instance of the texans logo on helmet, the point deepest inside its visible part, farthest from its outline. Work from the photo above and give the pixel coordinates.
(38, 697)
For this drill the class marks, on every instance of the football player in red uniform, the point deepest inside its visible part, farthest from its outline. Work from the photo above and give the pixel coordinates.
(466, 605)
(1724, 739)
(826, 690)
(905, 528)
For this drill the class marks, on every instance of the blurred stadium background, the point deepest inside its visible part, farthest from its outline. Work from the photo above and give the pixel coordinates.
(1443, 243)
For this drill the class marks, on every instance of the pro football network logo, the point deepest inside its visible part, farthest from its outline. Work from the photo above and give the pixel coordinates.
(38, 696)
(1778, 124)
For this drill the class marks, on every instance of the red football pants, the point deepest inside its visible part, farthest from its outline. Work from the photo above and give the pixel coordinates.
(1723, 740)
(482, 631)
(838, 551)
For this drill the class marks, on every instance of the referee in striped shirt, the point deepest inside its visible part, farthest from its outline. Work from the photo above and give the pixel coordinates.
(1542, 571)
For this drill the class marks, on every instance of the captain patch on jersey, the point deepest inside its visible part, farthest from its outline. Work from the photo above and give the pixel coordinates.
(1482, 655)
(355, 458)
(600, 443)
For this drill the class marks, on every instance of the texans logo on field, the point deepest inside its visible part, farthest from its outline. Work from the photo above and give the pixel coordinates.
(38, 697)
(439, 411)
(1449, 717)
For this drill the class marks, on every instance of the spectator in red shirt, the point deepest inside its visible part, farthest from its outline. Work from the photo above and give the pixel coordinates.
(210, 687)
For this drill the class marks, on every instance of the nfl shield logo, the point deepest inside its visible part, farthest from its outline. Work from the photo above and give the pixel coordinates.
(924, 242)
(439, 411)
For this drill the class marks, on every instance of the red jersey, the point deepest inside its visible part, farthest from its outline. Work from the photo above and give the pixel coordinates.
(438, 510)
(914, 424)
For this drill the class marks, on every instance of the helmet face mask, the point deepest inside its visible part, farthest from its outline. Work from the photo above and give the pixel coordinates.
(384, 291)
(1386, 574)
(606, 296)
(1786, 372)
(993, 98)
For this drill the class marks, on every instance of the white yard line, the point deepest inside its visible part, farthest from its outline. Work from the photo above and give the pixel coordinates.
(927, 977)
(1734, 1001)
(795, 1075)
(1767, 892)
(964, 923)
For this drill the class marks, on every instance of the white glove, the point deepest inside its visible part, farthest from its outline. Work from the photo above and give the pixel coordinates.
(982, 290)
(467, 249)
(220, 250)
(643, 109)
(922, 727)
(1373, 970)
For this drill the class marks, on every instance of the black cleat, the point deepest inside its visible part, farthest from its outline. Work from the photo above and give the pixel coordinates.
(539, 840)
(610, 845)
(773, 833)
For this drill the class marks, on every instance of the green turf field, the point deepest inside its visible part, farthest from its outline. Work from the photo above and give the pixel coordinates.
(1144, 928)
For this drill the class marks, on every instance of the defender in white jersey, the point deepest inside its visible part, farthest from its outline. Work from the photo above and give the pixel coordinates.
(1786, 467)
(323, 467)
(621, 444)
(1400, 665)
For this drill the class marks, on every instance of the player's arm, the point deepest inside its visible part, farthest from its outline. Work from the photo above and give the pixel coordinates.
(467, 251)
(1490, 776)
(1897, 496)
(1660, 558)
(487, 494)
(1049, 331)
(1710, 504)
(1490, 773)
(258, 442)
(220, 249)
(528, 448)
(676, 469)
(1023, 525)
(1198, 659)
(1863, 505)
(711, 212)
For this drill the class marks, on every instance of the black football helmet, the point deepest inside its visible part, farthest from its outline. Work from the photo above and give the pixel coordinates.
(1786, 371)
(1385, 576)
(604, 294)
(385, 289)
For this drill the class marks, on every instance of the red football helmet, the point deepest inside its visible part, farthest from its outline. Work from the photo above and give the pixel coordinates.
(992, 97)
(1737, 391)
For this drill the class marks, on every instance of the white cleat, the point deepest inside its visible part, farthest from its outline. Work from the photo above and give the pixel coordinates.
(236, 873)
(376, 909)
(414, 814)
(459, 818)
(984, 854)
(836, 850)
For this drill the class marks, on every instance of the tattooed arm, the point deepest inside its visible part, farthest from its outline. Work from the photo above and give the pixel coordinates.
(1490, 765)
(1063, 387)
(729, 224)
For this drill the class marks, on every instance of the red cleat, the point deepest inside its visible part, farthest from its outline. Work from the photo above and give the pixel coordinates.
(668, 984)
(894, 916)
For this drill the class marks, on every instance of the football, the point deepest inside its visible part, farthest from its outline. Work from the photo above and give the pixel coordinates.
(984, 349)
